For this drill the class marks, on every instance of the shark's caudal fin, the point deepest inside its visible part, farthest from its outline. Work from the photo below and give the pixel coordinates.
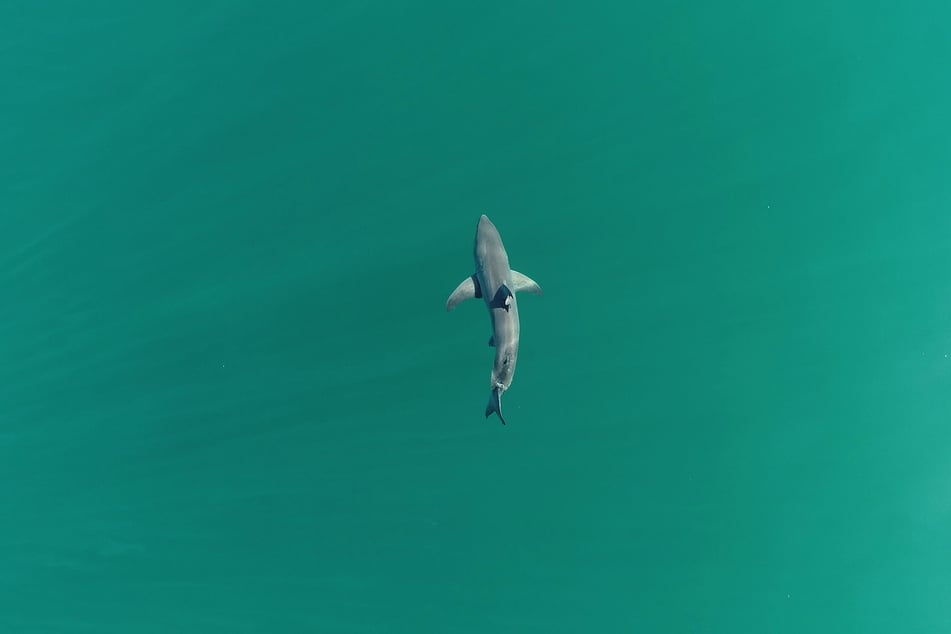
(495, 405)
(525, 284)
(467, 289)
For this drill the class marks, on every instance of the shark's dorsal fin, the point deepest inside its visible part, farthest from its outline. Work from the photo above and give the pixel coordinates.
(503, 298)
(524, 284)
(467, 289)
(492, 341)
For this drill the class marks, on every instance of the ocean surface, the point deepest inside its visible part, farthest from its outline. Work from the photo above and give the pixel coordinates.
(232, 401)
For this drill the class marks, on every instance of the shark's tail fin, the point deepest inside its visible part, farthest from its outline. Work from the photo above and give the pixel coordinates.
(495, 405)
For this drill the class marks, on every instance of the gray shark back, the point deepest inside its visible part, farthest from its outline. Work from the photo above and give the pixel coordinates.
(491, 260)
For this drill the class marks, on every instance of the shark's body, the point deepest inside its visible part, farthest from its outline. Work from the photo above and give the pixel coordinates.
(497, 284)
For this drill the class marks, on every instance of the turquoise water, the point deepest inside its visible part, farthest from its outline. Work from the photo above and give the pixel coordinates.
(231, 399)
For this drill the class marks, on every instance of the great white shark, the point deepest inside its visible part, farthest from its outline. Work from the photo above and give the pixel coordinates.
(497, 284)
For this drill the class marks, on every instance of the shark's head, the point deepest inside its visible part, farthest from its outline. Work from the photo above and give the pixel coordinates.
(487, 240)
(485, 225)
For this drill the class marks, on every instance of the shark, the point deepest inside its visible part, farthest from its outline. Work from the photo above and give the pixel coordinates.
(496, 283)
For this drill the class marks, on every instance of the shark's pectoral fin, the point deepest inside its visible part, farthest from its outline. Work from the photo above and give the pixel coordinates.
(467, 289)
(525, 284)
(491, 341)
(503, 298)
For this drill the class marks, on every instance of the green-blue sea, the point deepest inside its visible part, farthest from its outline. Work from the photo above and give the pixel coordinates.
(232, 401)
